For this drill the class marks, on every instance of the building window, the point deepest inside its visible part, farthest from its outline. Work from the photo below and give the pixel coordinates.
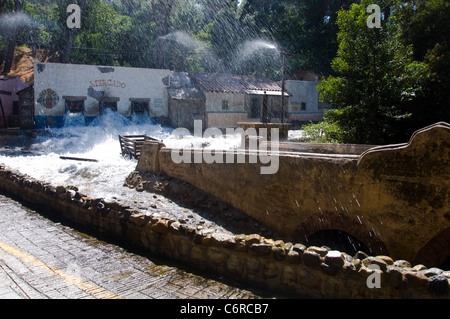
(108, 104)
(225, 105)
(75, 106)
(139, 106)
(303, 106)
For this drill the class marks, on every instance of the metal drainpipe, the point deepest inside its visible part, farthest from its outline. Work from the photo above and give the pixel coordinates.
(264, 115)
(283, 55)
(3, 111)
(282, 87)
(3, 114)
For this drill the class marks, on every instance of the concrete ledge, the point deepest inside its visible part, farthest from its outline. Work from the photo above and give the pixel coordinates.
(321, 148)
(313, 272)
(283, 128)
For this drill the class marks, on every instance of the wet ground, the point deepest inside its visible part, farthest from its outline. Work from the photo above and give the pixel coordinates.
(40, 258)
(43, 259)
(37, 153)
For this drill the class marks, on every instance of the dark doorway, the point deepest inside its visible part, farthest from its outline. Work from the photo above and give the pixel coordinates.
(338, 240)
(255, 108)
(108, 105)
(75, 106)
(139, 106)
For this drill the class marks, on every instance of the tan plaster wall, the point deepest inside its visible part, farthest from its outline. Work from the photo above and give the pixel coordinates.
(393, 198)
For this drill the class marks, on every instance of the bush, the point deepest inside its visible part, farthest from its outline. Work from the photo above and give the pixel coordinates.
(324, 132)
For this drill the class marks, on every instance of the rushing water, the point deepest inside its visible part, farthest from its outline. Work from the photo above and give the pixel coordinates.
(39, 156)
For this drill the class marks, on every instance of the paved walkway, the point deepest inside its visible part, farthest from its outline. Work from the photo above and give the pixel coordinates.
(41, 259)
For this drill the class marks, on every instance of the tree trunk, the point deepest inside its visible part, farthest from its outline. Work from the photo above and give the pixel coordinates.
(161, 16)
(71, 34)
(18, 4)
(10, 54)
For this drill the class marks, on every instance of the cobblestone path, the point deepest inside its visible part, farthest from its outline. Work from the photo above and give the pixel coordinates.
(43, 259)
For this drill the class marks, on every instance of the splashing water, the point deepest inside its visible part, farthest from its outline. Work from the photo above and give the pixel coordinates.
(259, 57)
(39, 156)
(251, 47)
(262, 51)
(13, 21)
(184, 39)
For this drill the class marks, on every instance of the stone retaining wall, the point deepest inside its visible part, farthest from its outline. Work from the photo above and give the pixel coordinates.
(312, 272)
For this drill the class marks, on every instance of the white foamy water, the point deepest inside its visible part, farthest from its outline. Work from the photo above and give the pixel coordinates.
(39, 156)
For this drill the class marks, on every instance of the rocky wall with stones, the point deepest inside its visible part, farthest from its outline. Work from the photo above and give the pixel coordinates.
(312, 272)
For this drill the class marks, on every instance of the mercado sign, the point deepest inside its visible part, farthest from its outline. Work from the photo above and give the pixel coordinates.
(109, 82)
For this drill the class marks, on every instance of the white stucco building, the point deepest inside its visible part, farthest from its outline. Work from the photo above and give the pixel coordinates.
(304, 105)
(230, 99)
(62, 89)
(219, 100)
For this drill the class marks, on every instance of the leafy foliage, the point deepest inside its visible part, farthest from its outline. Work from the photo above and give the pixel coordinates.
(326, 131)
(426, 25)
(384, 83)
(377, 78)
(154, 33)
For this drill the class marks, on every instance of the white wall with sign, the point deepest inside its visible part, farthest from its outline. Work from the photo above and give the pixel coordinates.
(95, 87)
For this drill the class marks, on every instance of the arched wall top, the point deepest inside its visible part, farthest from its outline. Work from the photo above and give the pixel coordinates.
(427, 153)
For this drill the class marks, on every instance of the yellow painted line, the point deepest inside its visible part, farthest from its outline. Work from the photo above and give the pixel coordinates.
(93, 290)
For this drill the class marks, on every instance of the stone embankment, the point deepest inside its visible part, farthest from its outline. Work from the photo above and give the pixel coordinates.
(312, 272)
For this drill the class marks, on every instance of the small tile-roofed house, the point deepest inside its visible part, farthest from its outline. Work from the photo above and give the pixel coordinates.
(9, 86)
(186, 101)
(304, 103)
(230, 99)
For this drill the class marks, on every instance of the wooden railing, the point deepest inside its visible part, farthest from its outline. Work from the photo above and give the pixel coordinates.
(131, 145)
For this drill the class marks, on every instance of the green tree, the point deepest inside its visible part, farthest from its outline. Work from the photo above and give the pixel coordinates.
(101, 39)
(307, 28)
(226, 34)
(426, 26)
(15, 29)
(33, 25)
(377, 78)
(70, 34)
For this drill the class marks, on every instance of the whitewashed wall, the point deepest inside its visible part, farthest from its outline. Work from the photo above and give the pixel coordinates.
(90, 81)
(217, 116)
(302, 91)
(306, 92)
